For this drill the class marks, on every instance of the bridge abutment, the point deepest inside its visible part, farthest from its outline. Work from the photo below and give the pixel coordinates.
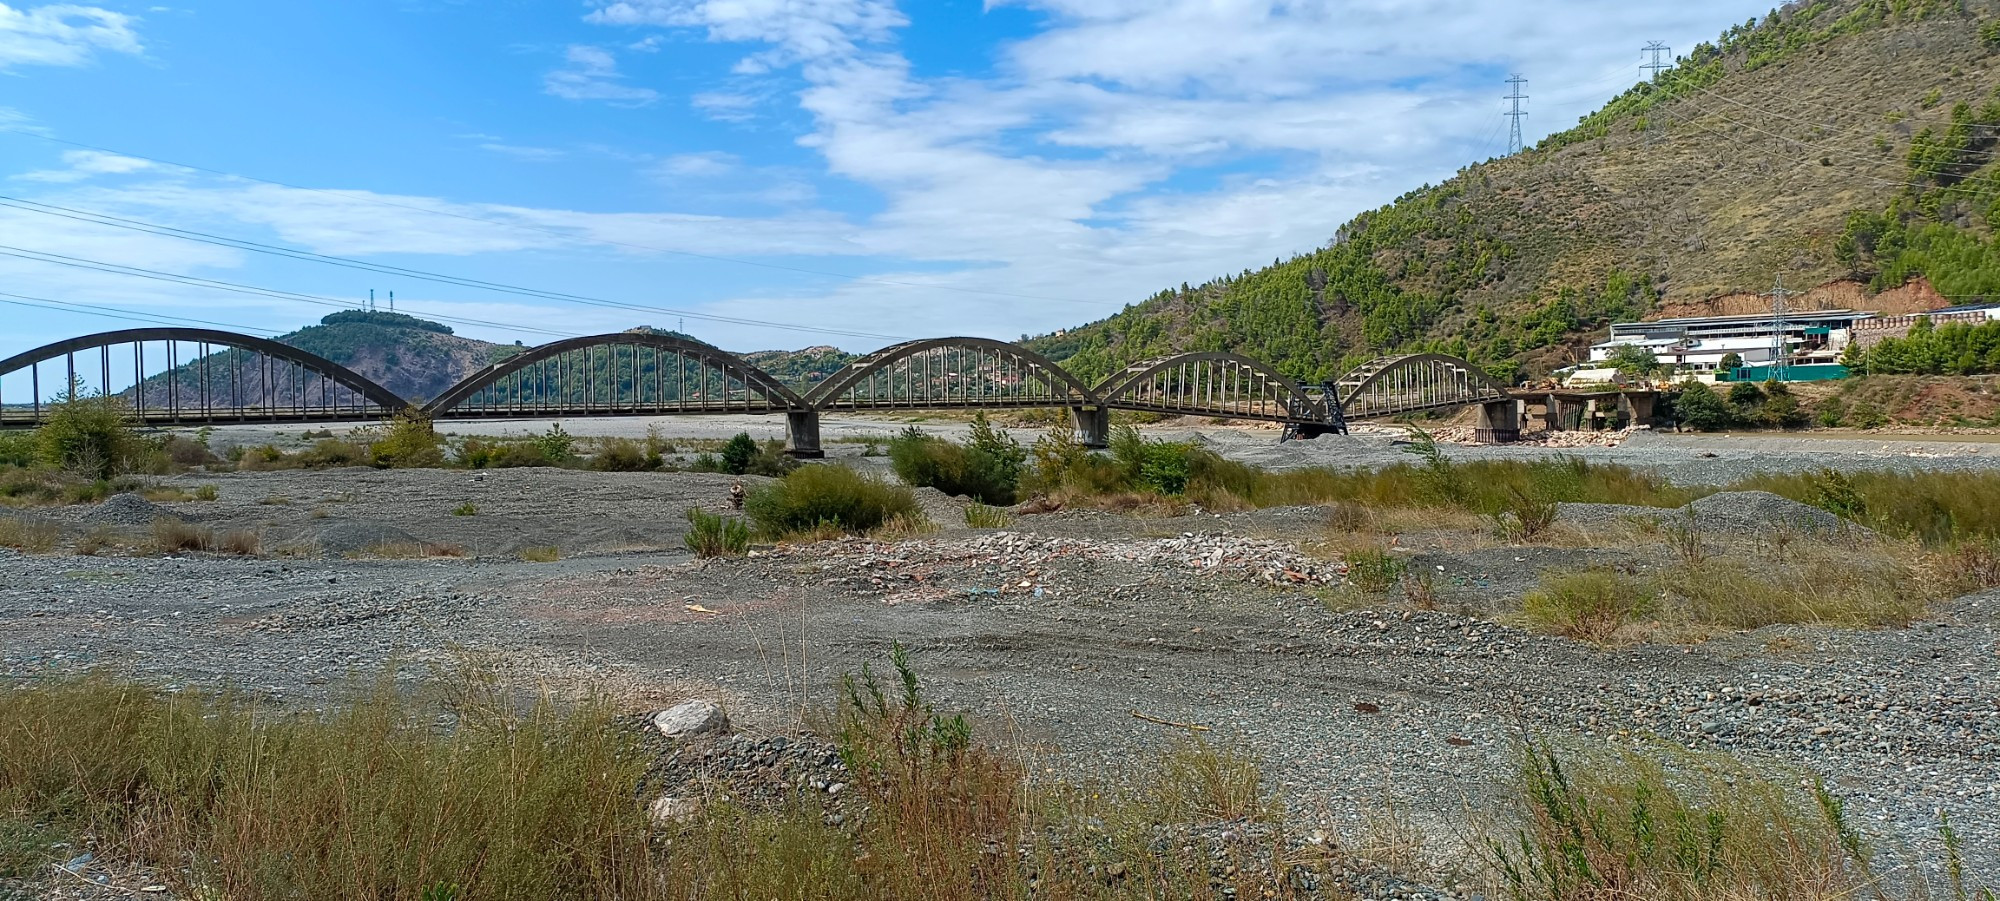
(802, 434)
(1499, 422)
(1093, 425)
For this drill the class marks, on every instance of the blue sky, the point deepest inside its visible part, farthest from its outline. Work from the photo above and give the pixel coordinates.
(993, 169)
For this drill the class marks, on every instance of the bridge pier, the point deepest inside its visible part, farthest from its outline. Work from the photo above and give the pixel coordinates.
(1638, 408)
(1499, 422)
(1093, 426)
(802, 434)
(1559, 415)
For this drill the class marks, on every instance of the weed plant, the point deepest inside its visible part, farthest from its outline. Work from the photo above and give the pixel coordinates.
(1626, 826)
(713, 535)
(981, 516)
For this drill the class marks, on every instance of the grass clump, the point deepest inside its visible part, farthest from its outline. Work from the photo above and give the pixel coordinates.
(714, 535)
(370, 800)
(816, 497)
(1594, 605)
(466, 509)
(981, 516)
(171, 535)
(36, 536)
(546, 554)
(1625, 826)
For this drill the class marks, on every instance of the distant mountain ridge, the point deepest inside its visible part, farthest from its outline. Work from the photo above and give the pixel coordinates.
(1843, 145)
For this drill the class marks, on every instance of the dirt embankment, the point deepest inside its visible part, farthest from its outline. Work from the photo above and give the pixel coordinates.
(1843, 294)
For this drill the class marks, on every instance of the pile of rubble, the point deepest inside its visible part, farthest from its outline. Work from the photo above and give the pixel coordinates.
(1268, 561)
(1609, 438)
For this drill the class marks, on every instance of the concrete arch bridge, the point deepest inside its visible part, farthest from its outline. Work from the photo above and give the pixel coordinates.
(188, 376)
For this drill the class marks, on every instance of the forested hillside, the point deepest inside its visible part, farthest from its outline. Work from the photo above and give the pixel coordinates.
(1827, 141)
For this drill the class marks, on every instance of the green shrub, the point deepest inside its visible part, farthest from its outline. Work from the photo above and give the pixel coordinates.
(986, 469)
(87, 434)
(713, 535)
(18, 449)
(739, 454)
(1161, 467)
(826, 495)
(556, 447)
(622, 455)
(408, 442)
(1698, 407)
(466, 509)
(1593, 605)
(333, 452)
(1374, 570)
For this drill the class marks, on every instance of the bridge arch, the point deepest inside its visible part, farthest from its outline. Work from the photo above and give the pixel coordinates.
(958, 372)
(1211, 383)
(254, 380)
(1409, 383)
(624, 373)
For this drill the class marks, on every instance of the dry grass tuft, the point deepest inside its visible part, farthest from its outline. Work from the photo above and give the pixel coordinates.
(548, 554)
(36, 536)
(1597, 605)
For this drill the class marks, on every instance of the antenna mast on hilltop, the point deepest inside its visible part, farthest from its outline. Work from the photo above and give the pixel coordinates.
(1514, 144)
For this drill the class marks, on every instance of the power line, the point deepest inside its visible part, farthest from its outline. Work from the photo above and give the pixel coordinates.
(62, 306)
(1514, 145)
(108, 220)
(369, 198)
(213, 284)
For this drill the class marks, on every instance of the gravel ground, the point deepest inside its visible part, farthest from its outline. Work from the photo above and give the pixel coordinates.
(1072, 633)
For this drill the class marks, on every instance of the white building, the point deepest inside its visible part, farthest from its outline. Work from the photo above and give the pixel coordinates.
(1699, 343)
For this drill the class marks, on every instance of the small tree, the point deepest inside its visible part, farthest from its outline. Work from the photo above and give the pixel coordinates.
(1746, 395)
(86, 433)
(1634, 359)
(739, 454)
(1700, 408)
(1730, 362)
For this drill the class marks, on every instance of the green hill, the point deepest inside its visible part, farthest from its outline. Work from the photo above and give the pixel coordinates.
(1829, 141)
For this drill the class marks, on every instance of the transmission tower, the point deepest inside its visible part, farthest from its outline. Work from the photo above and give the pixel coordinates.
(1655, 67)
(1779, 310)
(1514, 144)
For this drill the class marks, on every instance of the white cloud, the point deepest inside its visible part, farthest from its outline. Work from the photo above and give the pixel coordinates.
(723, 106)
(62, 34)
(524, 153)
(592, 73)
(698, 165)
(797, 30)
(84, 164)
(1131, 144)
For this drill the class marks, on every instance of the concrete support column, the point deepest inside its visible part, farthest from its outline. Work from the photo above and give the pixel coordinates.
(1554, 417)
(1093, 425)
(1640, 408)
(802, 434)
(1499, 422)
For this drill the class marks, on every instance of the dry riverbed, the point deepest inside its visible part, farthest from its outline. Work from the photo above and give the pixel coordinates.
(1075, 634)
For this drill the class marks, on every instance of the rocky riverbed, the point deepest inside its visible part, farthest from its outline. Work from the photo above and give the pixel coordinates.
(1076, 634)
